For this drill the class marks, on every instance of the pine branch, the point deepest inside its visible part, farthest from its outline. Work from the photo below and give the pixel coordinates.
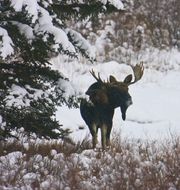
(81, 11)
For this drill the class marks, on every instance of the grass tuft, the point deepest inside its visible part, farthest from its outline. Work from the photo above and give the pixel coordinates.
(126, 164)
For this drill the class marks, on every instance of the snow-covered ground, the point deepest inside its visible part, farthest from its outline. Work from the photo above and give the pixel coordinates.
(156, 99)
(41, 164)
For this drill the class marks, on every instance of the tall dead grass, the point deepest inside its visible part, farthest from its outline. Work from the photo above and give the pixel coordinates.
(126, 165)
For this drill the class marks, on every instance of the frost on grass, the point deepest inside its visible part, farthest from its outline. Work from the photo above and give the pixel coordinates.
(125, 165)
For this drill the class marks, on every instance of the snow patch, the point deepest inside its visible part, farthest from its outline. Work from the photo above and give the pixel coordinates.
(117, 3)
(31, 7)
(154, 113)
(6, 44)
(25, 29)
(46, 27)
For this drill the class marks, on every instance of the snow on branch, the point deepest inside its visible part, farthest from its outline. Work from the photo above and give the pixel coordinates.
(31, 7)
(21, 97)
(25, 29)
(46, 27)
(57, 38)
(82, 44)
(116, 3)
(6, 44)
(42, 24)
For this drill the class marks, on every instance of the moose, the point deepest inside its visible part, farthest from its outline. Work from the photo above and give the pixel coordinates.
(104, 97)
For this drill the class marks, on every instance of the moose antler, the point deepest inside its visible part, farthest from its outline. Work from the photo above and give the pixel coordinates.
(138, 71)
(97, 78)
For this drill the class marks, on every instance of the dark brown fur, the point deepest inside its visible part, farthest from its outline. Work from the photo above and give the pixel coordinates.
(104, 97)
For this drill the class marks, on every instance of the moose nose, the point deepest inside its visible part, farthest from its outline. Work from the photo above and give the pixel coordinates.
(124, 107)
(129, 102)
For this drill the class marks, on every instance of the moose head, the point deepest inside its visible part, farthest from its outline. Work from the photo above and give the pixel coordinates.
(104, 98)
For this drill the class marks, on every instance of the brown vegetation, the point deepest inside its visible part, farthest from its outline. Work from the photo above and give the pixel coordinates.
(57, 165)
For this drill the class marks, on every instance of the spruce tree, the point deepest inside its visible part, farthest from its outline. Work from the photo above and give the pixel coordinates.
(31, 33)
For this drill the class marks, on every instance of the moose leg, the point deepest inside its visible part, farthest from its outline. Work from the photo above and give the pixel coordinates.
(103, 136)
(94, 135)
(108, 135)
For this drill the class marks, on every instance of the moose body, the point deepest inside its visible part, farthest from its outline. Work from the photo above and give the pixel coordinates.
(97, 116)
(104, 97)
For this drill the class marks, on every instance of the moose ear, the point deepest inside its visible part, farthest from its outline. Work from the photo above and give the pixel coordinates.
(112, 79)
(128, 79)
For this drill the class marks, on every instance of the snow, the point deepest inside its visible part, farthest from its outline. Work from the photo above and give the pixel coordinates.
(30, 6)
(12, 158)
(29, 177)
(45, 185)
(21, 94)
(90, 169)
(82, 43)
(117, 3)
(41, 24)
(25, 29)
(140, 29)
(153, 115)
(21, 97)
(46, 27)
(53, 152)
(6, 44)
(155, 110)
(1, 119)
(66, 87)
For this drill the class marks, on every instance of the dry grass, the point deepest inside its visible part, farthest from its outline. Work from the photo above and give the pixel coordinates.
(59, 165)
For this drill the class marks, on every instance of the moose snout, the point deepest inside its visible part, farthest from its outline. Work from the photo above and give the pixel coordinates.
(125, 107)
(129, 102)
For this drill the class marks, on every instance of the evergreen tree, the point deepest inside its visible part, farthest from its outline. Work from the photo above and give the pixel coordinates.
(32, 32)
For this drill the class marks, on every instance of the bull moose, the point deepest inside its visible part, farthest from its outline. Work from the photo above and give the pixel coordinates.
(104, 97)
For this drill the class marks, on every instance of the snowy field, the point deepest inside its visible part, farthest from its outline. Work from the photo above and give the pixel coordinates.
(42, 164)
(156, 98)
